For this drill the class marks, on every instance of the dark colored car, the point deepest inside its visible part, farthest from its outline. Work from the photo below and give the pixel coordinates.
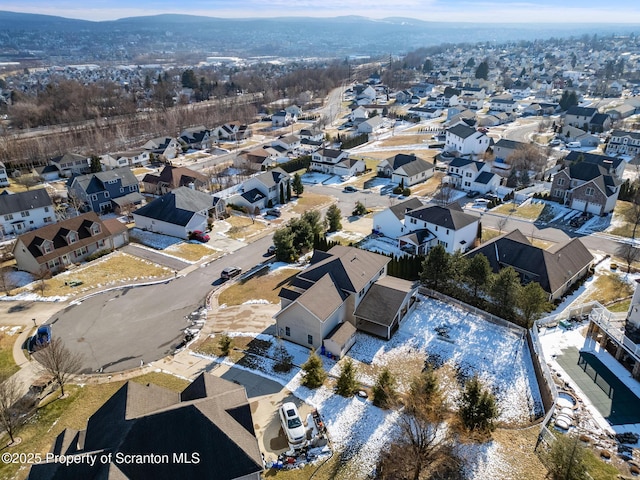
(200, 236)
(271, 250)
(42, 338)
(274, 212)
(230, 272)
(349, 188)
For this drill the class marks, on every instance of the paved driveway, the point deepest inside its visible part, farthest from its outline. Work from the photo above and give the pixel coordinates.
(155, 257)
(118, 330)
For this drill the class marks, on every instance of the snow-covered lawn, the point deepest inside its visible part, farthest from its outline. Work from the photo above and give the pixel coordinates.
(384, 245)
(153, 240)
(498, 355)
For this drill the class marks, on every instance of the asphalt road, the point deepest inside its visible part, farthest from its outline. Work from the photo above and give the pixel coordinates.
(118, 330)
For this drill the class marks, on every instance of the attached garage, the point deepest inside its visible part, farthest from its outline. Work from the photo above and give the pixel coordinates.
(579, 205)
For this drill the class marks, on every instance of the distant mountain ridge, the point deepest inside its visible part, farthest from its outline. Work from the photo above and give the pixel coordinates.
(126, 38)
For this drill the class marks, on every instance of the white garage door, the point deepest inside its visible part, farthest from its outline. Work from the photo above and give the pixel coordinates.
(593, 208)
(578, 205)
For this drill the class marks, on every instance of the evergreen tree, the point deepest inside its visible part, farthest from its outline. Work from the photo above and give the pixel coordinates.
(505, 292)
(532, 302)
(96, 166)
(478, 272)
(281, 194)
(426, 396)
(347, 385)
(313, 218)
(435, 267)
(359, 209)
(524, 178)
(477, 409)
(283, 359)
(302, 235)
(189, 79)
(283, 241)
(288, 190)
(298, 187)
(226, 344)
(314, 374)
(483, 70)
(384, 392)
(333, 218)
(512, 179)
(427, 66)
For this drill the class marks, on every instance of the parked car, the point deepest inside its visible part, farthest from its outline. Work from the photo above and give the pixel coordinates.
(555, 142)
(473, 194)
(274, 212)
(200, 236)
(42, 338)
(574, 145)
(292, 425)
(349, 188)
(230, 272)
(271, 250)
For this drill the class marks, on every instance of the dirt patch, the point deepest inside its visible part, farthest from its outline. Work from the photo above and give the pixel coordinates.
(264, 286)
(191, 252)
(244, 227)
(311, 201)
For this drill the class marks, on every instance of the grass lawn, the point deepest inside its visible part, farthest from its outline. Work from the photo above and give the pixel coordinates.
(117, 268)
(310, 201)
(530, 211)
(399, 140)
(620, 226)
(489, 234)
(211, 346)
(7, 365)
(142, 170)
(264, 286)
(424, 154)
(191, 251)
(73, 411)
(428, 188)
(607, 288)
(243, 227)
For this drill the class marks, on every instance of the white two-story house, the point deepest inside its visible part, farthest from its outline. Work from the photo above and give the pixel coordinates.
(470, 175)
(335, 162)
(466, 140)
(25, 211)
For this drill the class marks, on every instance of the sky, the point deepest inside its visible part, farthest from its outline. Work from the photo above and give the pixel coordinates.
(496, 11)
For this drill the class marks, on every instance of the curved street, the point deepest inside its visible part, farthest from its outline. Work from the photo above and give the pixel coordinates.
(120, 329)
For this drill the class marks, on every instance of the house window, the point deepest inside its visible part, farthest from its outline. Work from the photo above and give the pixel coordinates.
(561, 181)
(94, 197)
(121, 189)
(468, 174)
(25, 213)
(48, 220)
(589, 191)
(46, 209)
(106, 194)
(72, 237)
(100, 244)
(310, 339)
(8, 217)
(287, 331)
(132, 188)
(95, 229)
(447, 231)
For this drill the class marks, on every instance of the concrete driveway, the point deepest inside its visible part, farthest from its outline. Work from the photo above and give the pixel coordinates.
(155, 257)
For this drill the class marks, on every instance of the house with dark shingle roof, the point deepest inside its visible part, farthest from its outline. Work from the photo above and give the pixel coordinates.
(470, 175)
(555, 269)
(329, 293)
(24, 211)
(406, 169)
(177, 213)
(57, 246)
(465, 140)
(613, 165)
(580, 117)
(390, 222)
(623, 142)
(173, 177)
(106, 191)
(586, 187)
(71, 164)
(204, 432)
(167, 147)
(196, 137)
(432, 225)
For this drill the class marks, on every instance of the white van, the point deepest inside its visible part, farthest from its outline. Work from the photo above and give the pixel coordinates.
(573, 145)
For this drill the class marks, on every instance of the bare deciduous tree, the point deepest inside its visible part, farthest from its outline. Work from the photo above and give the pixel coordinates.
(10, 417)
(629, 254)
(59, 362)
(6, 281)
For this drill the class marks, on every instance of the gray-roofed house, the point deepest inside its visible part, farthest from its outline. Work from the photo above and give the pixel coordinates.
(106, 191)
(555, 269)
(167, 147)
(329, 293)
(471, 175)
(24, 211)
(580, 117)
(371, 125)
(177, 213)
(173, 177)
(586, 187)
(269, 184)
(206, 431)
(56, 246)
(465, 140)
(406, 169)
(428, 226)
(613, 165)
(624, 142)
(71, 164)
(391, 221)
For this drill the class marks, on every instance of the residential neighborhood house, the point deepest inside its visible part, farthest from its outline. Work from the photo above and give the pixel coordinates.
(24, 211)
(113, 190)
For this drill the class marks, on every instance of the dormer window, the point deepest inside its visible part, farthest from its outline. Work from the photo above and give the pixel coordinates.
(46, 246)
(72, 237)
(95, 229)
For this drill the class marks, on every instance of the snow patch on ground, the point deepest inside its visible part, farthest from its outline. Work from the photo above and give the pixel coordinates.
(156, 241)
(360, 430)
